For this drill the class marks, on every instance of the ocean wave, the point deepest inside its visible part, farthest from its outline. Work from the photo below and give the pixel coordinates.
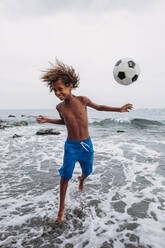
(145, 122)
(137, 122)
(108, 122)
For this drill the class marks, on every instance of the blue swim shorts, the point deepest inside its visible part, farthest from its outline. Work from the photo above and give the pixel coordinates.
(77, 151)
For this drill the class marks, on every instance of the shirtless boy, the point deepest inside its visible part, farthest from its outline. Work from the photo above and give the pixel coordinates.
(62, 79)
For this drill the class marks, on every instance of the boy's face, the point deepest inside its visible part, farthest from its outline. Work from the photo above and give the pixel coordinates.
(62, 91)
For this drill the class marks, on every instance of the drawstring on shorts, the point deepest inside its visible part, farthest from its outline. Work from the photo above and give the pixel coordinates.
(85, 146)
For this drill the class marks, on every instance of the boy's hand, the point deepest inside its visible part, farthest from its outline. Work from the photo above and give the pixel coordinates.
(41, 119)
(126, 108)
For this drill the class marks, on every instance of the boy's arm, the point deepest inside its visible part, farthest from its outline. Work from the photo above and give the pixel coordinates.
(91, 104)
(42, 119)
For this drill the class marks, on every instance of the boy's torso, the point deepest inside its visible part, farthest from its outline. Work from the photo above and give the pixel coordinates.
(75, 117)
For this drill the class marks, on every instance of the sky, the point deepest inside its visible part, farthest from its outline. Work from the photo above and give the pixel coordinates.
(91, 36)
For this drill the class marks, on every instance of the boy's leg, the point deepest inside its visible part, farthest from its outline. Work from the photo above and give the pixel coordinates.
(81, 182)
(86, 161)
(63, 189)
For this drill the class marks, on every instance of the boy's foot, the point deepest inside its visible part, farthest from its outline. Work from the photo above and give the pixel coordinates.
(60, 217)
(81, 184)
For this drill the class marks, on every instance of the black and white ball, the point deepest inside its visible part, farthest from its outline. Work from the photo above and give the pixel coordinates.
(126, 71)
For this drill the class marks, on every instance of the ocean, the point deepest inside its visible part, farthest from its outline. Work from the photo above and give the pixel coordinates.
(123, 203)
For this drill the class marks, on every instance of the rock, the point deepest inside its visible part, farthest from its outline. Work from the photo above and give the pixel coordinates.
(19, 123)
(4, 124)
(48, 131)
(16, 136)
(1, 124)
(11, 116)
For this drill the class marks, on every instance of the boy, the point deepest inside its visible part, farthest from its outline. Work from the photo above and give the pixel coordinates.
(73, 113)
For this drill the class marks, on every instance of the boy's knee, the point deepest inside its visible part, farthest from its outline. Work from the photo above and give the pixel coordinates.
(64, 180)
(65, 174)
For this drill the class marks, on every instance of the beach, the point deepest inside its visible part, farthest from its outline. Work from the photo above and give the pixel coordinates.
(123, 203)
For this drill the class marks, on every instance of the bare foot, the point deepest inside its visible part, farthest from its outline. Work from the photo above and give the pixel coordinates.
(60, 217)
(81, 184)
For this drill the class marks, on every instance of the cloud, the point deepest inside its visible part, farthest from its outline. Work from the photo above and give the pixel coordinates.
(36, 8)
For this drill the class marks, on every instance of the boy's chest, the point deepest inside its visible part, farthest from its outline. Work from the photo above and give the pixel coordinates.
(76, 110)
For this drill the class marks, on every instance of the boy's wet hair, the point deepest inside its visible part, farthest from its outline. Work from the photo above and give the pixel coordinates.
(60, 71)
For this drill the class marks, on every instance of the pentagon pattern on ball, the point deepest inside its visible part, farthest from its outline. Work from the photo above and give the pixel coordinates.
(121, 75)
(118, 62)
(135, 78)
(131, 64)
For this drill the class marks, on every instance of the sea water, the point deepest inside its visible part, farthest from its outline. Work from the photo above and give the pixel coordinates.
(123, 203)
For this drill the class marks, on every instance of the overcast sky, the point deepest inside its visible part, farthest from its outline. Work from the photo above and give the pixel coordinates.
(90, 35)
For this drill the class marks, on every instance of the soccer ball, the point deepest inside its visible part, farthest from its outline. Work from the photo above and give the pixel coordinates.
(126, 71)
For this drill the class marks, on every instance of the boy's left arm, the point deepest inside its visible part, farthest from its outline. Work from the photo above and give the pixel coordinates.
(124, 108)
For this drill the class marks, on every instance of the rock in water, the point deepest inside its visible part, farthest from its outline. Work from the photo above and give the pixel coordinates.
(16, 136)
(6, 124)
(48, 131)
(19, 123)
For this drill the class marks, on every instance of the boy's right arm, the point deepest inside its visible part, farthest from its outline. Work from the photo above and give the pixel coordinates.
(42, 119)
